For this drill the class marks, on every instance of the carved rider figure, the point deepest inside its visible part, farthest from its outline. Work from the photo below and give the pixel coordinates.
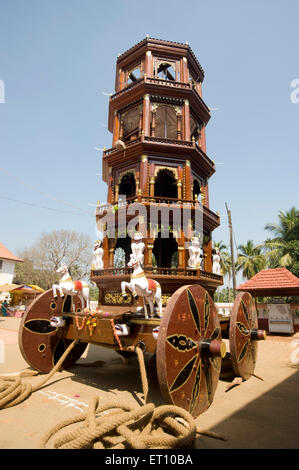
(216, 262)
(137, 247)
(195, 254)
(98, 254)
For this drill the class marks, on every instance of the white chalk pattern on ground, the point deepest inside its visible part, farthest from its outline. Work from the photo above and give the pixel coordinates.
(64, 400)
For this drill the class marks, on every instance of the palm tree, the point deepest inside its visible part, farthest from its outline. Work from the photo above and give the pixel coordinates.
(282, 250)
(250, 259)
(225, 262)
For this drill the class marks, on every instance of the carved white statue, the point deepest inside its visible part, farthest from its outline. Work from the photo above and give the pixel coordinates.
(98, 254)
(216, 263)
(137, 247)
(195, 254)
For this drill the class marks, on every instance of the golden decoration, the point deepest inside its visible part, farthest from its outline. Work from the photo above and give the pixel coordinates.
(116, 298)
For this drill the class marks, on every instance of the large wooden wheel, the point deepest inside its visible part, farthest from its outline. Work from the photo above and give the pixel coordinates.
(42, 345)
(244, 335)
(190, 350)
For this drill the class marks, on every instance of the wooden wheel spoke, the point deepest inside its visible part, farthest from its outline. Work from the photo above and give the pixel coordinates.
(206, 312)
(245, 349)
(245, 313)
(216, 333)
(208, 379)
(183, 375)
(196, 387)
(194, 310)
(216, 363)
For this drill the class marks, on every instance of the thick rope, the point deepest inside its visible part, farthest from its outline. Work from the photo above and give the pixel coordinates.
(115, 425)
(13, 390)
(112, 425)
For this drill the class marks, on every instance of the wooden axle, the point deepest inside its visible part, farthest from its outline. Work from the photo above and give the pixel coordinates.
(208, 347)
(258, 335)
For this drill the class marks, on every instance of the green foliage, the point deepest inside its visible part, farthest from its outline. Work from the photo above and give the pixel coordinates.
(224, 295)
(250, 259)
(283, 249)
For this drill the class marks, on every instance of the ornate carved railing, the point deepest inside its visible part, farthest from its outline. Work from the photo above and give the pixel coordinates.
(155, 200)
(162, 140)
(155, 81)
(159, 271)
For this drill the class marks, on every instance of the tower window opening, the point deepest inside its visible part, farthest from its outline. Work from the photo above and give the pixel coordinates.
(165, 250)
(127, 186)
(122, 252)
(130, 123)
(196, 189)
(166, 126)
(194, 129)
(166, 184)
(134, 75)
(166, 71)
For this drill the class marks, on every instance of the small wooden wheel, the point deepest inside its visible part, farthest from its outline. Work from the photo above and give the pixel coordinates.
(244, 335)
(190, 350)
(42, 345)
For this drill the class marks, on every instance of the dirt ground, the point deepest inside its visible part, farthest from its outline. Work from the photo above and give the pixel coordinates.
(258, 414)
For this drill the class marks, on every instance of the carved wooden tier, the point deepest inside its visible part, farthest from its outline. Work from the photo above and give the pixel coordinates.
(158, 158)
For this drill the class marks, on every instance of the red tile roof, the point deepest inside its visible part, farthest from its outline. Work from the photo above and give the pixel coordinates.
(6, 254)
(279, 279)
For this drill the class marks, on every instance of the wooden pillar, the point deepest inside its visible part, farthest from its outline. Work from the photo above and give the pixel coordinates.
(203, 139)
(179, 185)
(188, 181)
(179, 123)
(146, 111)
(208, 259)
(115, 128)
(116, 190)
(187, 120)
(111, 249)
(148, 67)
(184, 71)
(143, 175)
(181, 250)
(148, 253)
(153, 127)
(140, 120)
(152, 186)
(106, 252)
(110, 184)
(205, 195)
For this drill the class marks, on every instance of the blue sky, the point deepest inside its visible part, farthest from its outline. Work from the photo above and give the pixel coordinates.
(58, 57)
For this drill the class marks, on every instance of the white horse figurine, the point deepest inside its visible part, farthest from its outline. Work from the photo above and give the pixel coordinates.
(149, 289)
(67, 286)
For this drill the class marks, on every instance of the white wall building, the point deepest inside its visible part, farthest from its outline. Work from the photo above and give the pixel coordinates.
(7, 265)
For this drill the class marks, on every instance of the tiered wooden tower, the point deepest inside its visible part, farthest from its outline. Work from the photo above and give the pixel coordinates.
(157, 117)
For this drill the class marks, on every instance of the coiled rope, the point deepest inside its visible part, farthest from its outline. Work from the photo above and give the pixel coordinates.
(13, 390)
(113, 424)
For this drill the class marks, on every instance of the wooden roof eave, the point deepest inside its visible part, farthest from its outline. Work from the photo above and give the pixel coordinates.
(201, 163)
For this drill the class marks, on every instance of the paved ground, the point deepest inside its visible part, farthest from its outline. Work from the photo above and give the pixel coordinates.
(255, 415)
